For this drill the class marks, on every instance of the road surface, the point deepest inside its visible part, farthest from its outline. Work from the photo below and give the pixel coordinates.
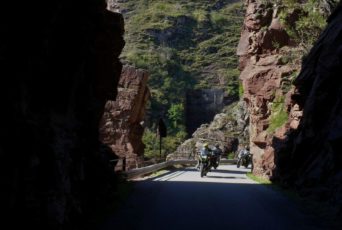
(225, 199)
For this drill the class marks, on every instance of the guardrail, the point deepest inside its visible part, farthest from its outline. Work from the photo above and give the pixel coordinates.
(133, 173)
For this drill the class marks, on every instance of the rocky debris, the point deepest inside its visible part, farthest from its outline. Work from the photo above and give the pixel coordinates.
(120, 127)
(58, 69)
(227, 129)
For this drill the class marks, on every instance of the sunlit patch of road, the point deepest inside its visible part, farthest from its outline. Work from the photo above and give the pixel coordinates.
(223, 174)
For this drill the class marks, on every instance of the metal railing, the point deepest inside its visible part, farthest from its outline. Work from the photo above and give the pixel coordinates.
(133, 173)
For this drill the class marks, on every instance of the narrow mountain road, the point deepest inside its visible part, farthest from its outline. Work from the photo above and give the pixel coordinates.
(225, 199)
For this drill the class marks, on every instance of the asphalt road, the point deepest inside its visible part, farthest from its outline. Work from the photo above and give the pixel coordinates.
(225, 199)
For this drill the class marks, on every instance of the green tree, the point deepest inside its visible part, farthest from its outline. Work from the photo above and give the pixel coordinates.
(175, 114)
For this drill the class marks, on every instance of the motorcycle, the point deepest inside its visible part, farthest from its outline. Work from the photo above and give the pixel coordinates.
(216, 157)
(244, 160)
(205, 163)
(215, 161)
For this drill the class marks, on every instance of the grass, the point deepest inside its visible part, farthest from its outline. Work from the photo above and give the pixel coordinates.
(158, 173)
(279, 114)
(260, 180)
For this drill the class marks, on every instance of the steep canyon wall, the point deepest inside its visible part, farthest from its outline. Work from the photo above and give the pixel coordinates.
(295, 130)
(58, 69)
(266, 78)
(310, 158)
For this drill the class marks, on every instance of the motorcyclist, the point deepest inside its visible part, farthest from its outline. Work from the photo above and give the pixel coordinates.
(217, 154)
(205, 150)
(243, 152)
(243, 155)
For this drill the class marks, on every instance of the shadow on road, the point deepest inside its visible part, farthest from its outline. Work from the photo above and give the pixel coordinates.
(171, 205)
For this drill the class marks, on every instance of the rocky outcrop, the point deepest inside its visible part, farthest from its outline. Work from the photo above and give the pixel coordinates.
(228, 129)
(295, 132)
(310, 158)
(58, 69)
(266, 78)
(115, 5)
(120, 127)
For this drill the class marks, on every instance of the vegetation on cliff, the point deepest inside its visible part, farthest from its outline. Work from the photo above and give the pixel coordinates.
(303, 22)
(306, 20)
(184, 45)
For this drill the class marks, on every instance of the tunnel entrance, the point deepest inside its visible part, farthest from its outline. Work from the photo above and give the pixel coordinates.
(202, 105)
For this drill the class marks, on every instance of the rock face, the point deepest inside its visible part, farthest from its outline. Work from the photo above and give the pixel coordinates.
(120, 126)
(310, 159)
(227, 129)
(304, 149)
(266, 78)
(58, 69)
(114, 5)
(202, 105)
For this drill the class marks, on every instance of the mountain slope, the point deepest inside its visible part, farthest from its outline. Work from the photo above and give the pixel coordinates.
(185, 45)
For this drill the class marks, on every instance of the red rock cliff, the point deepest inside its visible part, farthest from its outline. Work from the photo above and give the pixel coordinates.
(265, 76)
(304, 150)
(120, 126)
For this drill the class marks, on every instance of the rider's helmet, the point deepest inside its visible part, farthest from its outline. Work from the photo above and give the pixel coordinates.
(217, 145)
(205, 145)
(247, 147)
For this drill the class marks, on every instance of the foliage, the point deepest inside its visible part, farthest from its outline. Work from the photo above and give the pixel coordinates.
(241, 91)
(184, 45)
(150, 140)
(279, 114)
(310, 19)
(169, 143)
(260, 180)
(175, 114)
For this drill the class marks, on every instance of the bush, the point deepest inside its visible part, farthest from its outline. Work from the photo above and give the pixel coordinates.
(310, 20)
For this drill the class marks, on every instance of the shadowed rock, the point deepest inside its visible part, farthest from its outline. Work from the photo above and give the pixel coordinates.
(59, 65)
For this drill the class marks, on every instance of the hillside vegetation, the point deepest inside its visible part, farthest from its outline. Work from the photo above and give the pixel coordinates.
(184, 45)
(304, 21)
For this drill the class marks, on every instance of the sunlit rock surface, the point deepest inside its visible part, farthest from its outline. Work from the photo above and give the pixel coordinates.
(228, 129)
(120, 127)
